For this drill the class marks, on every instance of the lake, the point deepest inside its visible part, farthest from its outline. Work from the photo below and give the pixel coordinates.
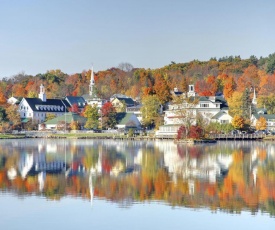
(110, 184)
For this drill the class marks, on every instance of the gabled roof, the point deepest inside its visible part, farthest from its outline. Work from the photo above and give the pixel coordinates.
(128, 101)
(217, 99)
(16, 99)
(125, 118)
(68, 118)
(219, 114)
(38, 105)
(76, 100)
(261, 110)
(266, 116)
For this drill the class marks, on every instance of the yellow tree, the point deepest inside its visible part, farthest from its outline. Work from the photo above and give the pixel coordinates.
(261, 123)
(32, 94)
(149, 109)
(75, 125)
(238, 122)
(235, 104)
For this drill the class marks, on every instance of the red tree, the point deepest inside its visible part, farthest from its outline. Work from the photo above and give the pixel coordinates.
(195, 132)
(74, 108)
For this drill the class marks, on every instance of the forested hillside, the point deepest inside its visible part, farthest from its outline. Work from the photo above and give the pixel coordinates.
(227, 75)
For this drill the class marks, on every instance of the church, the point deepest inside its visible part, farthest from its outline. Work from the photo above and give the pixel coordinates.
(37, 108)
(92, 98)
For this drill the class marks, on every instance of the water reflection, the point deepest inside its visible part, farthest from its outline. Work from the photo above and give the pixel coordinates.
(227, 176)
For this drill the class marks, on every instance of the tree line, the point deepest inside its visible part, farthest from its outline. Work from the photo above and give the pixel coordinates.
(232, 76)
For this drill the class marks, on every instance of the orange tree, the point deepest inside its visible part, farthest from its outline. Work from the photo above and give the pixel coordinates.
(238, 122)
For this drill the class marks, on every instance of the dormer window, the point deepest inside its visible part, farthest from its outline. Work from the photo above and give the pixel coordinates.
(204, 105)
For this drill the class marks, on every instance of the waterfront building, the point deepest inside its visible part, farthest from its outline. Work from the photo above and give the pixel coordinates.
(37, 108)
(211, 108)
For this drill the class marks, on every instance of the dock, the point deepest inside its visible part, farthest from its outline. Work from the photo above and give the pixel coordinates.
(252, 136)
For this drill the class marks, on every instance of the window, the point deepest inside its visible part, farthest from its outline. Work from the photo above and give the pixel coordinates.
(204, 105)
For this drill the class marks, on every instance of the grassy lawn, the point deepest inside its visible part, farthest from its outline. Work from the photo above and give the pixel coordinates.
(87, 135)
(269, 138)
(10, 136)
(71, 135)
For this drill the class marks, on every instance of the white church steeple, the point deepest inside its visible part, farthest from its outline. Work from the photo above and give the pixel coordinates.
(254, 99)
(92, 83)
(42, 94)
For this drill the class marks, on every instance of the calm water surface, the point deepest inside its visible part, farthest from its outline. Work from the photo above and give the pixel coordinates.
(95, 184)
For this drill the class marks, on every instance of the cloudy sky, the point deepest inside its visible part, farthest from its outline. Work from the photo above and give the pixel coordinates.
(73, 35)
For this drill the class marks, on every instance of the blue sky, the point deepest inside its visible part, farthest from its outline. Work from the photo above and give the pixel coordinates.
(71, 35)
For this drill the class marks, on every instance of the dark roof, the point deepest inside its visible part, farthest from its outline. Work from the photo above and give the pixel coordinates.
(218, 99)
(133, 108)
(219, 94)
(128, 101)
(38, 105)
(177, 93)
(76, 100)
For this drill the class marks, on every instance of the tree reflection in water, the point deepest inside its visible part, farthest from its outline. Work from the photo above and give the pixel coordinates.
(227, 176)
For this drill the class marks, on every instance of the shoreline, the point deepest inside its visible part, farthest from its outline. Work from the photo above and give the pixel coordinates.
(114, 137)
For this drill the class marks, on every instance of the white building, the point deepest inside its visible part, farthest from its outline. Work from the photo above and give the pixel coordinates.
(211, 108)
(13, 100)
(37, 108)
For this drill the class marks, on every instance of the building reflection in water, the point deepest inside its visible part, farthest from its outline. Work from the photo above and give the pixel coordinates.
(231, 176)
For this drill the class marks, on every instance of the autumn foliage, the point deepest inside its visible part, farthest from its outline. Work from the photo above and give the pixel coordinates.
(195, 132)
(238, 122)
(261, 123)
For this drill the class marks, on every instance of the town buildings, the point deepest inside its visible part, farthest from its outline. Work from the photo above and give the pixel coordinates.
(189, 107)
(36, 109)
